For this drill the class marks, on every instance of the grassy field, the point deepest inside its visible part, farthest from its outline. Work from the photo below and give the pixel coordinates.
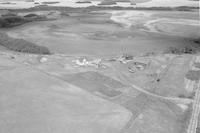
(95, 30)
(60, 94)
(32, 101)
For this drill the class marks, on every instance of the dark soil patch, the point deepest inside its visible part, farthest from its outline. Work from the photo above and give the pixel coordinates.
(193, 75)
(197, 65)
(95, 82)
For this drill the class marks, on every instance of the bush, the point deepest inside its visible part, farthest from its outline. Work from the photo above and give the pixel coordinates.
(197, 41)
(185, 50)
(30, 15)
(6, 22)
(20, 45)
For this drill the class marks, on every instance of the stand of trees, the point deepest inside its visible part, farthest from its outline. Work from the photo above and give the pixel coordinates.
(20, 45)
(11, 20)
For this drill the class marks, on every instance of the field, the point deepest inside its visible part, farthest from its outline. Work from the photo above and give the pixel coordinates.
(51, 91)
(33, 105)
(112, 32)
